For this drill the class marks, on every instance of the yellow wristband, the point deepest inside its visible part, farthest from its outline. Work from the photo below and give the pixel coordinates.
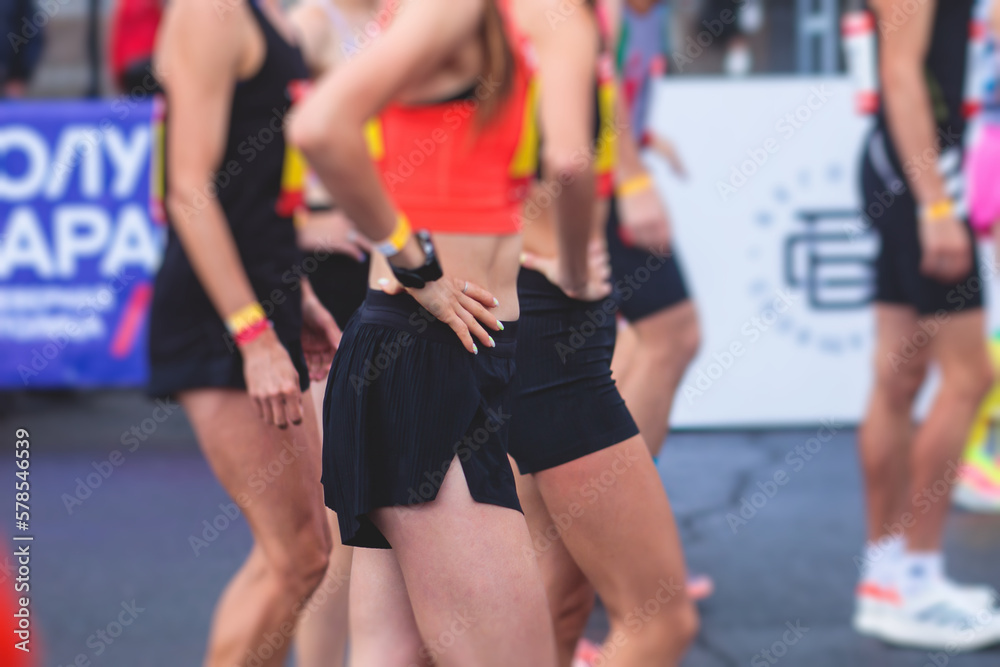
(938, 211)
(245, 317)
(400, 235)
(635, 185)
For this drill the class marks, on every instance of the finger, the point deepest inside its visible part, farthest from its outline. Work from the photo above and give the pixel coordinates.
(257, 408)
(479, 312)
(477, 293)
(363, 243)
(266, 410)
(277, 411)
(529, 260)
(293, 406)
(475, 328)
(460, 329)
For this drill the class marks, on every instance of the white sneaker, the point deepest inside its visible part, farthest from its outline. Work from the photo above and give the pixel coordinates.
(939, 618)
(872, 601)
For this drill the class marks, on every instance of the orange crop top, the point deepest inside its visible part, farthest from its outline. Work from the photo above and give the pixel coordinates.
(450, 175)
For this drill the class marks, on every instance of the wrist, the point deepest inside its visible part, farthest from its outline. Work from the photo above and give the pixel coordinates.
(257, 339)
(628, 187)
(410, 255)
(937, 211)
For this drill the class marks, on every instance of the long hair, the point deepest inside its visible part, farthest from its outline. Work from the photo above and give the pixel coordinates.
(498, 62)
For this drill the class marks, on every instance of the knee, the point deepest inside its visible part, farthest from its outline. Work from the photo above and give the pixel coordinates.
(301, 566)
(971, 383)
(572, 613)
(676, 349)
(666, 637)
(899, 381)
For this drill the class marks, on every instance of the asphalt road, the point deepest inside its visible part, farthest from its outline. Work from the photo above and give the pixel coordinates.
(125, 547)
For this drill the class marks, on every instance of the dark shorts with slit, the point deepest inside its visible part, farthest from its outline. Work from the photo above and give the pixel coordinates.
(404, 399)
(566, 404)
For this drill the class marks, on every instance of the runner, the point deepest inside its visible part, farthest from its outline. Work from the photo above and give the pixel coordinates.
(412, 390)
(928, 299)
(329, 33)
(597, 513)
(662, 337)
(231, 323)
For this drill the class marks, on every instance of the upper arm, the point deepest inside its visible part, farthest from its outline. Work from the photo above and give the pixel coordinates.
(199, 53)
(567, 65)
(422, 34)
(905, 30)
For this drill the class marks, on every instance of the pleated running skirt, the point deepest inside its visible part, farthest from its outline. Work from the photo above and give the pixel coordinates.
(403, 400)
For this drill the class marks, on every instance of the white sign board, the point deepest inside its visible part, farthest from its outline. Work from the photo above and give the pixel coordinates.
(768, 230)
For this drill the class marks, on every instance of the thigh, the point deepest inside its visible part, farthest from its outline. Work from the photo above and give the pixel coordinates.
(564, 580)
(673, 327)
(902, 344)
(383, 629)
(271, 473)
(623, 535)
(476, 595)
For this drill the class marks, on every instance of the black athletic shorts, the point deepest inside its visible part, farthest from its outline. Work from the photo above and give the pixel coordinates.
(340, 283)
(645, 283)
(565, 403)
(892, 211)
(404, 399)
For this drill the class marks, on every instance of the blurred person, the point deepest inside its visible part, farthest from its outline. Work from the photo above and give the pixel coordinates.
(417, 401)
(329, 31)
(232, 322)
(653, 352)
(978, 487)
(735, 21)
(131, 41)
(25, 43)
(928, 309)
(569, 423)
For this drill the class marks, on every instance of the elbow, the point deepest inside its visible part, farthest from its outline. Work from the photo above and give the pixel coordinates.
(566, 166)
(311, 134)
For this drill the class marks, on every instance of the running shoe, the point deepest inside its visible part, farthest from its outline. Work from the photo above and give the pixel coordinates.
(938, 618)
(976, 490)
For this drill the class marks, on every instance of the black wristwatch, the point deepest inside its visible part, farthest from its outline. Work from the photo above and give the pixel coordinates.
(428, 272)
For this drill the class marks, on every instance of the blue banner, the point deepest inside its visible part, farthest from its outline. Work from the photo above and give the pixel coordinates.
(78, 248)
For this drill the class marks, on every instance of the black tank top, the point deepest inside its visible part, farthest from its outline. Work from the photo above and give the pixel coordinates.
(258, 183)
(944, 69)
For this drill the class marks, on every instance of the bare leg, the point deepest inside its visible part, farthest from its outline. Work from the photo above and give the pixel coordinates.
(966, 376)
(477, 598)
(623, 537)
(570, 595)
(321, 639)
(383, 630)
(887, 430)
(273, 475)
(664, 344)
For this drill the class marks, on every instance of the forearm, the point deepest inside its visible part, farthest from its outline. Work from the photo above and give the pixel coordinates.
(211, 249)
(629, 159)
(908, 109)
(341, 161)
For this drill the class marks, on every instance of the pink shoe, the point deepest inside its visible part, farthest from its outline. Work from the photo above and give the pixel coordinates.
(700, 586)
(587, 653)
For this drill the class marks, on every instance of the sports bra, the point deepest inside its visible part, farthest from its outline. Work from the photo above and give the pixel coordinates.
(448, 173)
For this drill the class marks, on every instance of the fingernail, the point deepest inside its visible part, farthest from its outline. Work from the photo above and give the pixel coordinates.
(495, 302)
(475, 349)
(383, 282)
(493, 343)
(500, 325)
(522, 258)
